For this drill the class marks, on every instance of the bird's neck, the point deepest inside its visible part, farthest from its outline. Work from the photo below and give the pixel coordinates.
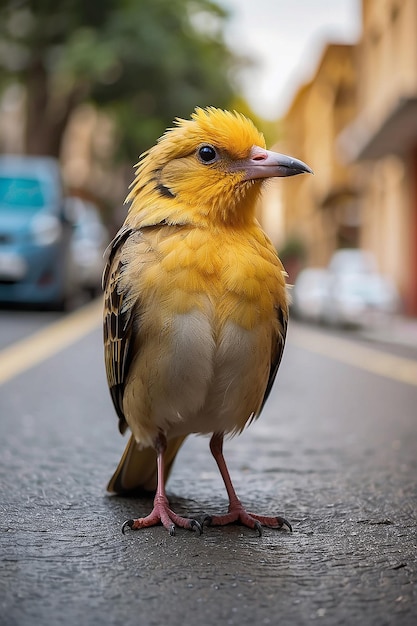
(201, 209)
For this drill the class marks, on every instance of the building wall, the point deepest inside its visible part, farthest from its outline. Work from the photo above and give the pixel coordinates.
(385, 218)
(388, 54)
(312, 205)
(382, 141)
(355, 124)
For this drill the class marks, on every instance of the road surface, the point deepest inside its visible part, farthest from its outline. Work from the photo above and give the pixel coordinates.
(335, 452)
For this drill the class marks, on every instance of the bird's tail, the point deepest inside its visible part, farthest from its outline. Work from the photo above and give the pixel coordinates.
(137, 470)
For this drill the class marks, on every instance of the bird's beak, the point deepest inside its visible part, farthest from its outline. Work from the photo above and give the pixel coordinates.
(266, 164)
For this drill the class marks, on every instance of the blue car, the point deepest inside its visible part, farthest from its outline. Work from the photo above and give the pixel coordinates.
(35, 233)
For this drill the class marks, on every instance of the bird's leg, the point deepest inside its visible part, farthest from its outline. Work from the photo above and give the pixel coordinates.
(161, 513)
(236, 511)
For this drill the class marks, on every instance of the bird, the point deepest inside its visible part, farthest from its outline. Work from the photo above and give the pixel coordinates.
(195, 306)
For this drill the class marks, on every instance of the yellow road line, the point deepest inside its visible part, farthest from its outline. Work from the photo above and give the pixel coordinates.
(351, 353)
(43, 344)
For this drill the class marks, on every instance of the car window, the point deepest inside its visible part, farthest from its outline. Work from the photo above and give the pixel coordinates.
(22, 194)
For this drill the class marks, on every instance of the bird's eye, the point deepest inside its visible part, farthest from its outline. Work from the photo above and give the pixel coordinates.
(207, 154)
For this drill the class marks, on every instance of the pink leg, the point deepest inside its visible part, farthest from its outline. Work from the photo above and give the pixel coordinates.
(161, 513)
(236, 511)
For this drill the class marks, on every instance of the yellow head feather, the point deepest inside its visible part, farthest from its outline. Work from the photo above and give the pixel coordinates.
(230, 131)
(173, 185)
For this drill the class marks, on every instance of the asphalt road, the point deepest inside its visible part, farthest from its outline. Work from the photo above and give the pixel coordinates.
(335, 452)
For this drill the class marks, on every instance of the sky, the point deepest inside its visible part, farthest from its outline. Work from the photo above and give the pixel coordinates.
(286, 39)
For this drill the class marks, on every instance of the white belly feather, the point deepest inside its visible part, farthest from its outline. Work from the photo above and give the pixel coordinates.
(204, 380)
(213, 384)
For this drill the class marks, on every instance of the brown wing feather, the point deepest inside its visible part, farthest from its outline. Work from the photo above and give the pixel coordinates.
(282, 316)
(117, 326)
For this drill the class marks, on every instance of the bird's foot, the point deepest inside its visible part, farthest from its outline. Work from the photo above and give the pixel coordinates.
(237, 514)
(161, 513)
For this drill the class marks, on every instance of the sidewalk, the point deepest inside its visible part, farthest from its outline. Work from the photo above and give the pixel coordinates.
(398, 330)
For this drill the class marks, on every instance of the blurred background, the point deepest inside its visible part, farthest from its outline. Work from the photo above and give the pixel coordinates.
(85, 87)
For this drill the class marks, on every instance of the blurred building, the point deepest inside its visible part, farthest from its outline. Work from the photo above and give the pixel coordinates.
(355, 124)
(381, 142)
(321, 213)
(88, 163)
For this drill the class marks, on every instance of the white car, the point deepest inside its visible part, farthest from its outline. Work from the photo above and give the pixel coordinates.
(309, 294)
(350, 292)
(89, 241)
(359, 299)
(357, 294)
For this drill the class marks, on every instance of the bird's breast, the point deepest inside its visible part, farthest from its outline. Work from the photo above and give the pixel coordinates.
(209, 378)
(240, 275)
(207, 324)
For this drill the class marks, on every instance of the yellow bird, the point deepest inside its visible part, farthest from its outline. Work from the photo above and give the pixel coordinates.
(195, 310)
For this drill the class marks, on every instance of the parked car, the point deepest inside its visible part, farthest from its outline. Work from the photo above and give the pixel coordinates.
(89, 241)
(359, 299)
(35, 233)
(358, 295)
(309, 294)
(349, 292)
(352, 261)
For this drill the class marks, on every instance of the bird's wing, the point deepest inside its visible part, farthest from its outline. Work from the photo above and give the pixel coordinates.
(117, 325)
(277, 351)
(136, 471)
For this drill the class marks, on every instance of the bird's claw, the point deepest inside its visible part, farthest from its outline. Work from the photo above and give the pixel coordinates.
(207, 520)
(193, 525)
(283, 522)
(196, 526)
(248, 519)
(127, 524)
(257, 525)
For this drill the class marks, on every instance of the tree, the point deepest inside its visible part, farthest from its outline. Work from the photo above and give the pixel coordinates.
(145, 61)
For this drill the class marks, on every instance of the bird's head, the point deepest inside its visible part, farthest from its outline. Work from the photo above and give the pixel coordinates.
(208, 169)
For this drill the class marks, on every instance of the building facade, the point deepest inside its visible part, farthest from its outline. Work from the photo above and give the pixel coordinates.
(381, 142)
(355, 124)
(321, 212)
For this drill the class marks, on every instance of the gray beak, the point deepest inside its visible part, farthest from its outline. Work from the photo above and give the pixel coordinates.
(266, 164)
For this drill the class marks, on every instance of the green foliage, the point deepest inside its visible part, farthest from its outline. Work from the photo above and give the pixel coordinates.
(145, 61)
